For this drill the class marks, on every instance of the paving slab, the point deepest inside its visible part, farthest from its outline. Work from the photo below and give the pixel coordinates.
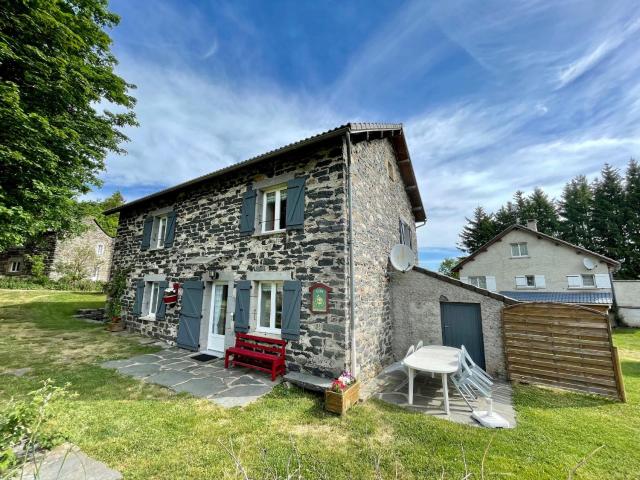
(392, 384)
(308, 382)
(148, 358)
(168, 378)
(118, 363)
(140, 370)
(68, 462)
(201, 387)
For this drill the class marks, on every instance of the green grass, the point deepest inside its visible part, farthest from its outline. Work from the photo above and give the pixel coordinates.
(148, 432)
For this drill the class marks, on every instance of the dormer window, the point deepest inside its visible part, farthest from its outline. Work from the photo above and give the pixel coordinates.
(519, 250)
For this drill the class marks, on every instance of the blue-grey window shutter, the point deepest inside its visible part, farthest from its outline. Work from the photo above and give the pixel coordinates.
(243, 297)
(161, 307)
(295, 204)
(248, 212)
(146, 233)
(171, 230)
(137, 302)
(190, 315)
(291, 302)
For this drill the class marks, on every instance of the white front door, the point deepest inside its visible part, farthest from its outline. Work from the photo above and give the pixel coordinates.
(217, 317)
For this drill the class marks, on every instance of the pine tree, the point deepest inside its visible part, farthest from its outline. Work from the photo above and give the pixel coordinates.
(506, 216)
(608, 214)
(631, 266)
(541, 208)
(478, 231)
(575, 209)
(522, 206)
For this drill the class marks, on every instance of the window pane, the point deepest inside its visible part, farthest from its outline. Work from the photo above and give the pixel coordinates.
(265, 304)
(279, 305)
(515, 251)
(270, 212)
(588, 280)
(531, 281)
(153, 298)
(162, 227)
(523, 249)
(219, 309)
(283, 208)
(482, 282)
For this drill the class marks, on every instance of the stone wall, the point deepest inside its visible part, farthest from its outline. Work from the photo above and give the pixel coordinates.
(45, 246)
(207, 225)
(67, 248)
(379, 201)
(416, 298)
(627, 294)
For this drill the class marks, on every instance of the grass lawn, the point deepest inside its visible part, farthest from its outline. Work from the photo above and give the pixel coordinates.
(146, 431)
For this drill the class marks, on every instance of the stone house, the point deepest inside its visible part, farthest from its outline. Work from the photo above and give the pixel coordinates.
(55, 248)
(528, 265)
(248, 243)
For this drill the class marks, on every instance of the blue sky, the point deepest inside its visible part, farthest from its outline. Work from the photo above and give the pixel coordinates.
(494, 96)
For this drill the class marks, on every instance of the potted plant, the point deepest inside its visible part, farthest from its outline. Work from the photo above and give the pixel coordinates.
(170, 295)
(115, 289)
(344, 392)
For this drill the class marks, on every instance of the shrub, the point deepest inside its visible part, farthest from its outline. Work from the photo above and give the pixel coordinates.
(23, 426)
(114, 290)
(45, 283)
(37, 266)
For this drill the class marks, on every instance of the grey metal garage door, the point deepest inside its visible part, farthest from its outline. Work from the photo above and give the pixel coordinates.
(462, 325)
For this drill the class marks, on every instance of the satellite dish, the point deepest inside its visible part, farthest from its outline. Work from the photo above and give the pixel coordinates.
(588, 263)
(402, 258)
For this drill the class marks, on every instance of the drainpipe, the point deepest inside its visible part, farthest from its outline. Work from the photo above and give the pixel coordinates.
(352, 280)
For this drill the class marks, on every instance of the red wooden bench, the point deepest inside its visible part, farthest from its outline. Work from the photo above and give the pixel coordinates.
(261, 353)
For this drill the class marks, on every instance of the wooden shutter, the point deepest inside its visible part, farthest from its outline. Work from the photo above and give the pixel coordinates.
(161, 307)
(295, 204)
(137, 302)
(291, 302)
(574, 281)
(521, 281)
(147, 226)
(243, 299)
(603, 280)
(190, 315)
(491, 284)
(171, 230)
(248, 212)
(540, 283)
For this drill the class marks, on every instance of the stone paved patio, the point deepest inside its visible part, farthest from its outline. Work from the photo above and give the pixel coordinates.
(392, 385)
(174, 368)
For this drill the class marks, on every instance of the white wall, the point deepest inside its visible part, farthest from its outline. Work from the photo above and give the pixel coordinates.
(554, 261)
(627, 293)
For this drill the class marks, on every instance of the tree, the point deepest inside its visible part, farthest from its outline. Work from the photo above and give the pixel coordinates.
(447, 264)
(506, 216)
(575, 210)
(56, 74)
(80, 265)
(631, 266)
(608, 214)
(541, 208)
(95, 209)
(478, 231)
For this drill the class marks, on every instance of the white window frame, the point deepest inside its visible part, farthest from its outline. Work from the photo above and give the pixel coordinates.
(15, 266)
(272, 311)
(519, 246)
(100, 249)
(476, 281)
(149, 305)
(157, 240)
(96, 273)
(281, 223)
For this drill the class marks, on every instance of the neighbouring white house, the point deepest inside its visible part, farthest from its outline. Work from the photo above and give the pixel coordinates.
(527, 265)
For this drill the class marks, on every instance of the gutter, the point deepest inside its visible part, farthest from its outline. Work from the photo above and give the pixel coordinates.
(352, 280)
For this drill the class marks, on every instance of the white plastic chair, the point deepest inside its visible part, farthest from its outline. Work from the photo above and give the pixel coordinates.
(409, 352)
(479, 372)
(419, 345)
(469, 383)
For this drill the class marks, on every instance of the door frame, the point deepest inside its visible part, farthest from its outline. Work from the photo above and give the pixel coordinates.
(209, 322)
(229, 338)
(479, 310)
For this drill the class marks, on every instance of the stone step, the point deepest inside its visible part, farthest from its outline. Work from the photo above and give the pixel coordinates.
(308, 382)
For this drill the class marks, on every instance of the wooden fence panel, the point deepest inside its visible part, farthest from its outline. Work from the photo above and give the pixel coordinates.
(561, 345)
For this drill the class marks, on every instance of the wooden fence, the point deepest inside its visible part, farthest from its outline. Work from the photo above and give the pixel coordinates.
(562, 345)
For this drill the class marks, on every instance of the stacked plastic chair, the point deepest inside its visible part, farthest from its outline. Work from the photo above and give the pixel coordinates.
(470, 380)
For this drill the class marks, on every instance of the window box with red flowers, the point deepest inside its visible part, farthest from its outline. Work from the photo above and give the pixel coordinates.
(344, 393)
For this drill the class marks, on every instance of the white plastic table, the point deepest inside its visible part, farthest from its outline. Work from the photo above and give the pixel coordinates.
(434, 359)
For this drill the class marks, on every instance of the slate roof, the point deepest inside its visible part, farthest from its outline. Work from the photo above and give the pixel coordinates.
(398, 140)
(584, 298)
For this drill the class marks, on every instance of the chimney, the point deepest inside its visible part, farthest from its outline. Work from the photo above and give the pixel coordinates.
(532, 225)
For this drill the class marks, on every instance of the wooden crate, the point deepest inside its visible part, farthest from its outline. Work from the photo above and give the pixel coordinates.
(341, 402)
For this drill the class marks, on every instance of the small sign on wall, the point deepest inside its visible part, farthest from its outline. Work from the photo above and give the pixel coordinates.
(320, 297)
